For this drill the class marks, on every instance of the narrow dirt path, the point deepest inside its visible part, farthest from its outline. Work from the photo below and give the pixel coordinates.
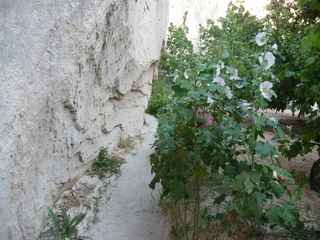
(132, 212)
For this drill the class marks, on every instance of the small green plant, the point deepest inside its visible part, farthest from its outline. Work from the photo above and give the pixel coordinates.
(101, 191)
(66, 228)
(104, 164)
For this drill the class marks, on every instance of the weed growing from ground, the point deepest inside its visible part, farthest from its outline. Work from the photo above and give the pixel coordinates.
(105, 165)
(63, 229)
(97, 201)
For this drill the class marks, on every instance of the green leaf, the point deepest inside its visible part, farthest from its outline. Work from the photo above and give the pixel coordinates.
(201, 171)
(274, 218)
(195, 94)
(290, 214)
(310, 61)
(298, 196)
(259, 121)
(262, 102)
(178, 190)
(179, 92)
(289, 73)
(265, 149)
(278, 129)
(248, 184)
(254, 177)
(289, 194)
(225, 53)
(182, 154)
(205, 135)
(78, 219)
(154, 181)
(65, 219)
(184, 113)
(53, 217)
(186, 84)
(314, 5)
(187, 135)
(235, 132)
(260, 198)
(288, 217)
(262, 169)
(316, 89)
(239, 181)
(276, 138)
(303, 181)
(277, 189)
(243, 181)
(241, 166)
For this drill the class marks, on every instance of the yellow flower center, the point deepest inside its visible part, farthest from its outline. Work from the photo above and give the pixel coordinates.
(265, 89)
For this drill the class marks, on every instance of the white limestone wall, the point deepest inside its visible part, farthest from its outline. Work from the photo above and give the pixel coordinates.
(75, 75)
(199, 11)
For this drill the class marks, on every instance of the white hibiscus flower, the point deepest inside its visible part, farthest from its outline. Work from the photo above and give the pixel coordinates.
(220, 81)
(268, 58)
(233, 74)
(261, 38)
(265, 89)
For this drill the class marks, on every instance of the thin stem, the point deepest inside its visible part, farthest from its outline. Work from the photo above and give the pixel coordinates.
(174, 215)
(196, 210)
(253, 144)
(197, 163)
(183, 219)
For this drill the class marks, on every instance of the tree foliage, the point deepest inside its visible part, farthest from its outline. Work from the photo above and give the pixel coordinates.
(296, 27)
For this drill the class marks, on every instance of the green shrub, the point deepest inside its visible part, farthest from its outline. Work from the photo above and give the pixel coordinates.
(200, 136)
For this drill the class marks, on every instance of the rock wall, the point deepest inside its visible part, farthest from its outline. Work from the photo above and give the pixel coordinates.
(198, 13)
(75, 76)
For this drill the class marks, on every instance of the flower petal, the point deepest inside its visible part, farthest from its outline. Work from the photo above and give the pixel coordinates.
(261, 38)
(228, 92)
(186, 74)
(245, 106)
(220, 81)
(269, 58)
(265, 89)
(275, 46)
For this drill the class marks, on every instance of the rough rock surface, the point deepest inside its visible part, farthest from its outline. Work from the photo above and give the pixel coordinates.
(75, 75)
